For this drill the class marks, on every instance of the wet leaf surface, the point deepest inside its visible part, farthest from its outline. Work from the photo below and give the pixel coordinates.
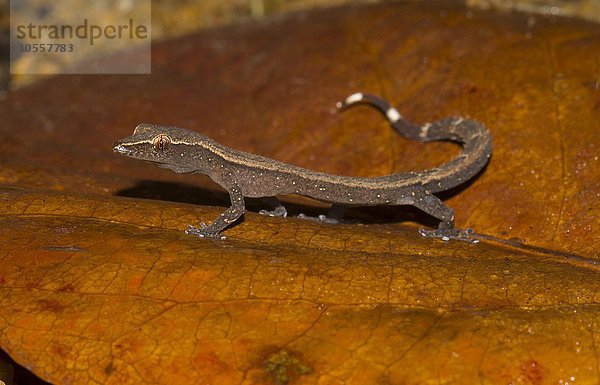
(99, 285)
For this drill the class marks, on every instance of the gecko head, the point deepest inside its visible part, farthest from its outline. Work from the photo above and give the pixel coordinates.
(168, 147)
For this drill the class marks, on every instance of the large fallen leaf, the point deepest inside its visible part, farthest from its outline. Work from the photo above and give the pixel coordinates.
(105, 289)
(268, 88)
(110, 290)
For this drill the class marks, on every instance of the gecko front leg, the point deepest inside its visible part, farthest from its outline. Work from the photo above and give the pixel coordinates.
(228, 216)
(432, 205)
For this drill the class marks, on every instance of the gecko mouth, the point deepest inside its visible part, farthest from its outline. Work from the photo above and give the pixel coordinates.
(120, 149)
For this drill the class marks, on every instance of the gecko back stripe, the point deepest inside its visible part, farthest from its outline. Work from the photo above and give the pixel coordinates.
(244, 174)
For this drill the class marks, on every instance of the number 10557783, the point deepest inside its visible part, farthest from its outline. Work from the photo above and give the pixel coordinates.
(46, 47)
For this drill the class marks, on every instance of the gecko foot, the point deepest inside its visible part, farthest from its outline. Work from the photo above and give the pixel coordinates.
(446, 233)
(321, 218)
(278, 212)
(203, 232)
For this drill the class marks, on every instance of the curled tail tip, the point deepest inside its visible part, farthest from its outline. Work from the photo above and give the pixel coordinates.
(390, 112)
(354, 98)
(350, 100)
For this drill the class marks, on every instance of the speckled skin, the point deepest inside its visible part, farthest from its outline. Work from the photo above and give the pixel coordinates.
(247, 175)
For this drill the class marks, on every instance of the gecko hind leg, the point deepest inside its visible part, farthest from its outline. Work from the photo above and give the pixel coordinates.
(278, 210)
(433, 206)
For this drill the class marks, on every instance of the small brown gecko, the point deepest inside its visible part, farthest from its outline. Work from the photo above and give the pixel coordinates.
(248, 175)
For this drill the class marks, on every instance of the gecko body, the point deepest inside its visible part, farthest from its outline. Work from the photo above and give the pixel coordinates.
(244, 174)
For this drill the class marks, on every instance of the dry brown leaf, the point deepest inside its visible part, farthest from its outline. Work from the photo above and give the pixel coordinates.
(271, 89)
(110, 290)
(105, 289)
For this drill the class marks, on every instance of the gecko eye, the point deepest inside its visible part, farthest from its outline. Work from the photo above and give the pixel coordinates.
(161, 142)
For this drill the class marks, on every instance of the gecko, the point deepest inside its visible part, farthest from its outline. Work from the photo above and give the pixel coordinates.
(246, 175)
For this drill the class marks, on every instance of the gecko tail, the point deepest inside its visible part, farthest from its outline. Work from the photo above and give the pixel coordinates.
(472, 135)
(398, 123)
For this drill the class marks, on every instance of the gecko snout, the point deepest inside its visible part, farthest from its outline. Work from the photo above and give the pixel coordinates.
(119, 148)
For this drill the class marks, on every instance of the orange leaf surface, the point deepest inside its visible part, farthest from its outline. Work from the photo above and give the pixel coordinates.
(98, 285)
(110, 290)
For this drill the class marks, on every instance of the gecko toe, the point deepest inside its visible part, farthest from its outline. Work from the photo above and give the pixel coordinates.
(321, 218)
(446, 234)
(203, 232)
(278, 212)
